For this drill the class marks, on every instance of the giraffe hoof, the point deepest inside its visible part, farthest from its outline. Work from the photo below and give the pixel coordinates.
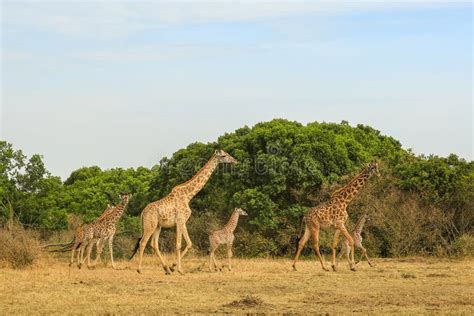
(325, 269)
(171, 268)
(353, 269)
(139, 271)
(167, 270)
(334, 268)
(294, 268)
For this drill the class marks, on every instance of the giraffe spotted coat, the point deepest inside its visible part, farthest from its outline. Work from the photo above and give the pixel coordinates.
(224, 236)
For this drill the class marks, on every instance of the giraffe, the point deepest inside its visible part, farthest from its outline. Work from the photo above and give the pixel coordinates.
(334, 213)
(357, 237)
(173, 211)
(101, 230)
(224, 236)
(78, 238)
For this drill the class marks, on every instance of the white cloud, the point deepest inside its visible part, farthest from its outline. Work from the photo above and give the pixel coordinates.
(111, 19)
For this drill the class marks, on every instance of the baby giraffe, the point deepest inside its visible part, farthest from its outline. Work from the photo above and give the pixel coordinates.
(357, 237)
(224, 236)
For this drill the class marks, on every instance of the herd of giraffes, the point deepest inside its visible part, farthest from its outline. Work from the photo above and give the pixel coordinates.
(173, 211)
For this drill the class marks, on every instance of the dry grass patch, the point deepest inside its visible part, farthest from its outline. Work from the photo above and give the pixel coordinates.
(254, 286)
(18, 247)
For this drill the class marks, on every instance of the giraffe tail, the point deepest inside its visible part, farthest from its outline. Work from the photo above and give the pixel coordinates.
(135, 249)
(137, 245)
(64, 246)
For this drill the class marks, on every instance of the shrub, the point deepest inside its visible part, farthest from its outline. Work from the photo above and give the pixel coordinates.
(464, 246)
(18, 247)
(253, 245)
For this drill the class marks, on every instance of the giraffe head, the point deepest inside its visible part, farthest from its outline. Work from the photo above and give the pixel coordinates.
(240, 211)
(223, 157)
(373, 168)
(125, 197)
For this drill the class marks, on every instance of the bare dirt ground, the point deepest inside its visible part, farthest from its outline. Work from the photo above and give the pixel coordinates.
(407, 286)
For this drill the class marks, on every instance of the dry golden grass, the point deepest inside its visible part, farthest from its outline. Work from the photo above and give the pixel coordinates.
(410, 286)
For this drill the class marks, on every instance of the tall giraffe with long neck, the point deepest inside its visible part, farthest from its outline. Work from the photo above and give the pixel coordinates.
(357, 237)
(173, 211)
(333, 213)
(101, 230)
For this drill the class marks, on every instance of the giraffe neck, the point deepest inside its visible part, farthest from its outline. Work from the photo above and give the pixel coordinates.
(232, 223)
(348, 192)
(199, 180)
(360, 224)
(117, 213)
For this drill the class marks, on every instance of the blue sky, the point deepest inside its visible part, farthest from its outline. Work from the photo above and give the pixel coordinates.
(123, 84)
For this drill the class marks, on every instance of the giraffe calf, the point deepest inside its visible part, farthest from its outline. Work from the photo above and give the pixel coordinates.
(224, 236)
(357, 237)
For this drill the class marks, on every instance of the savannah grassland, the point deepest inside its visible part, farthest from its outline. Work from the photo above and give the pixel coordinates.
(408, 286)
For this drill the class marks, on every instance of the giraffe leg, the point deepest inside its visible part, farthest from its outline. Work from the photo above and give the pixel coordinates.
(154, 244)
(216, 265)
(88, 255)
(348, 250)
(212, 261)
(334, 245)
(212, 248)
(348, 236)
(229, 255)
(80, 252)
(364, 253)
(74, 247)
(189, 243)
(179, 236)
(143, 241)
(111, 250)
(301, 244)
(315, 244)
(344, 247)
(99, 246)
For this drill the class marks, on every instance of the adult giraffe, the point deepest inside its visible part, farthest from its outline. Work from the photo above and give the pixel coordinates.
(334, 213)
(173, 210)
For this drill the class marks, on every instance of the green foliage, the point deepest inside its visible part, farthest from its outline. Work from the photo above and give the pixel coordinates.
(423, 203)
